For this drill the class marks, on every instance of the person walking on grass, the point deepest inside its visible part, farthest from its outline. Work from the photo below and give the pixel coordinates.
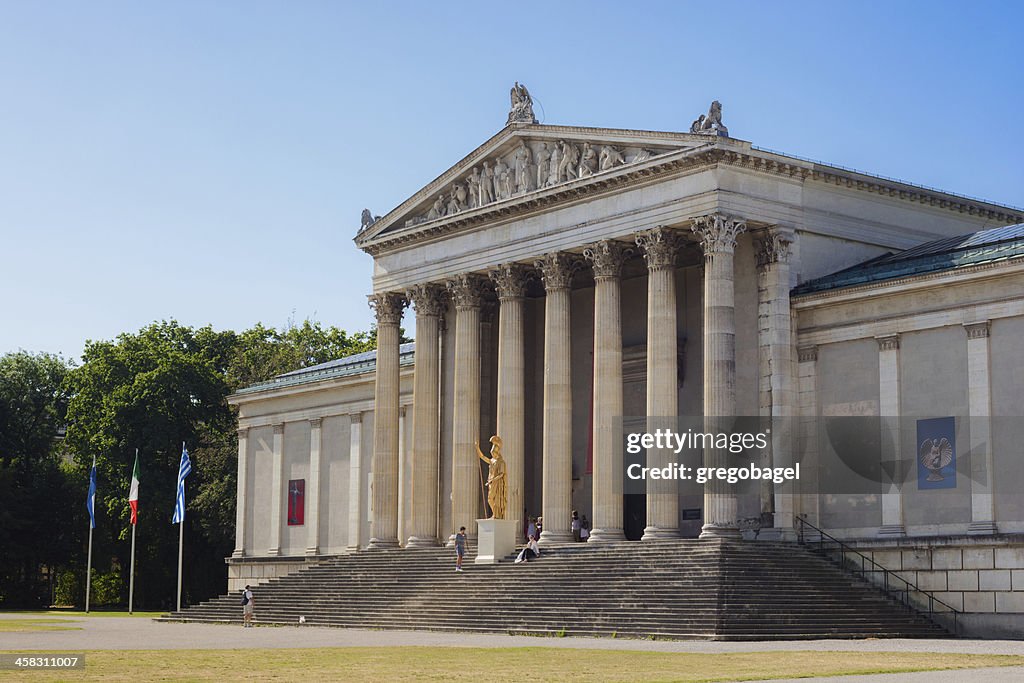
(460, 548)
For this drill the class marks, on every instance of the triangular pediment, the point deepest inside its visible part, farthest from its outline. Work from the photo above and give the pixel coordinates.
(524, 163)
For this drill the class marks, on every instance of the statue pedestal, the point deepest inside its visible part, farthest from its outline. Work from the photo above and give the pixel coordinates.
(496, 538)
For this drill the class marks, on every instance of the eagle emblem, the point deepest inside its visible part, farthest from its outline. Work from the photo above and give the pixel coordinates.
(936, 454)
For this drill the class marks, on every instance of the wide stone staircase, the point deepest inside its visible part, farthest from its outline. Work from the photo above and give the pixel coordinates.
(726, 590)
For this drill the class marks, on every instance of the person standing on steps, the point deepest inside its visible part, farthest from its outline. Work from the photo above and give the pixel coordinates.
(460, 548)
(584, 529)
(247, 615)
(575, 526)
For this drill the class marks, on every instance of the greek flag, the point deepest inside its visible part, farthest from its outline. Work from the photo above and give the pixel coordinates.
(179, 504)
(90, 501)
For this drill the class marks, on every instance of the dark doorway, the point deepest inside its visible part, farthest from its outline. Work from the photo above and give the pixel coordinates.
(634, 515)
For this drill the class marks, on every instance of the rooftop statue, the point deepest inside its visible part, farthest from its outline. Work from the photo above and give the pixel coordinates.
(522, 105)
(711, 124)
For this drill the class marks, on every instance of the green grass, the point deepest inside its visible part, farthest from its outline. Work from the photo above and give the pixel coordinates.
(22, 625)
(59, 612)
(493, 664)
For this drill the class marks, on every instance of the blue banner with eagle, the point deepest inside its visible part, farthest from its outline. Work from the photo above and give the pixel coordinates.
(936, 453)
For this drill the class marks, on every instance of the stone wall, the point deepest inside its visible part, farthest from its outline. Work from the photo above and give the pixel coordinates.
(982, 577)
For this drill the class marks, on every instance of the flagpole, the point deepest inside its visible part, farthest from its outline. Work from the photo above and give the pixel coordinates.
(181, 541)
(131, 575)
(88, 572)
(91, 500)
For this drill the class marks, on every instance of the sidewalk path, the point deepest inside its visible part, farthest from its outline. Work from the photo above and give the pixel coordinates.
(137, 633)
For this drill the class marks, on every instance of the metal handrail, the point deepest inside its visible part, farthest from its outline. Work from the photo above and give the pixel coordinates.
(903, 595)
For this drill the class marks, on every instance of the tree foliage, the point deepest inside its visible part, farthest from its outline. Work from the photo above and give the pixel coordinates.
(35, 495)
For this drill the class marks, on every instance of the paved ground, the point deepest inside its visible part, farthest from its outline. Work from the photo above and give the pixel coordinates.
(126, 633)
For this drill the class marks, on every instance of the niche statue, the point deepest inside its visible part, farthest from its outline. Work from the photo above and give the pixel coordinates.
(497, 490)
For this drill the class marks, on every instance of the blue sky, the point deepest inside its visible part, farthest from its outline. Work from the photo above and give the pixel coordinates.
(208, 161)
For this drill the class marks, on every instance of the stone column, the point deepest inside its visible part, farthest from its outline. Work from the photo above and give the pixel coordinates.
(775, 367)
(556, 271)
(313, 498)
(718, 239)
(659, 248)
(466, 291)
(606, 258)
(355, 482)
(889, 411)
(276, 490)
(510, 280)
(241, 492)
(807, 382)
(979, 391)
(403, 474)
(429, 303)
(384, 503)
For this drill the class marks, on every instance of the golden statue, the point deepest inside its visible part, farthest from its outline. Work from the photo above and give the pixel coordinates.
(497, 491)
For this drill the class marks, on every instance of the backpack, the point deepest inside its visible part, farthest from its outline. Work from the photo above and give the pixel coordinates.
(245, 599)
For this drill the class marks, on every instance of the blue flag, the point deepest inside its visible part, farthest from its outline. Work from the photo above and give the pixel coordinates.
(179, 503)
(90, 502)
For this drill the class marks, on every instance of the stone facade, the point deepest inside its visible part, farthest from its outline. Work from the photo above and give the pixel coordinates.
(649, 276)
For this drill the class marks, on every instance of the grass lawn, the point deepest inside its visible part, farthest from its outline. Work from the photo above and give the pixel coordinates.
(508, 664)
(19, 625)
(79, 613)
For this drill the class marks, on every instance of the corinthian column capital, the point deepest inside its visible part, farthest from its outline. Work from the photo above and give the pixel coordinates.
(556, 270)
(388, 306)
(467, 290)
(717, 232)
(606, 258)
(773, 246)
(510, 280)
(659, 247)
(429, 299)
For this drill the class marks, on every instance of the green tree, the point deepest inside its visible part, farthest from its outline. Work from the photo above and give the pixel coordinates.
(35, 489)
(152, 390)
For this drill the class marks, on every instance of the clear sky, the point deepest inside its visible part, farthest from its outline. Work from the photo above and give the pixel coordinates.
(208, 161)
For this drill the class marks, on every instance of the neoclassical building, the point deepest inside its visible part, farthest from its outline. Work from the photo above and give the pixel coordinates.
(559, 280)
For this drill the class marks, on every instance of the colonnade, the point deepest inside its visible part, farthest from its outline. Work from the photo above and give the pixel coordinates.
(659, 247)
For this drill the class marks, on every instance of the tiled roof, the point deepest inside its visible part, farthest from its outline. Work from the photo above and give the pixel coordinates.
(947, 253)
(355, 364)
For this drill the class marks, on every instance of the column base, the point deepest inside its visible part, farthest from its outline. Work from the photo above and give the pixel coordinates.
(606, 536)
(423, 542)
(312, 552)
(717, 531)
(555, 537)
(655, 533)
(383, 543)
(273, 551)
(237, 553)
(982, 528)
(892, 530)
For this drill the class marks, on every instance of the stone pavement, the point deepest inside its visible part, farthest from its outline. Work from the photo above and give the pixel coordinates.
(138, 633)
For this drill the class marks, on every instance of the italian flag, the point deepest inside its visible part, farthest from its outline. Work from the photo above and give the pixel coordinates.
(133, 494)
